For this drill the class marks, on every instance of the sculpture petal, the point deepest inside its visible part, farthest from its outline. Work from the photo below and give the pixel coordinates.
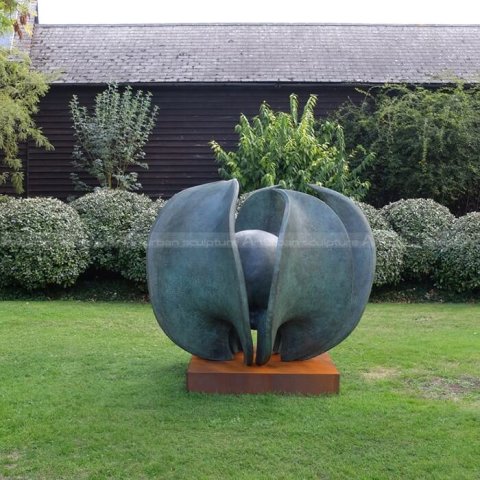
(264, 209)
(312, 280)
(312, 283)
(195, 277)
(363, 250)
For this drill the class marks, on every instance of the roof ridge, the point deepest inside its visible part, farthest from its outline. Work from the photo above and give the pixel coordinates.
(256, 24)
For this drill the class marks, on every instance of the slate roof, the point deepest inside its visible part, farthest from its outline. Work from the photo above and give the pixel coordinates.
(250, 53)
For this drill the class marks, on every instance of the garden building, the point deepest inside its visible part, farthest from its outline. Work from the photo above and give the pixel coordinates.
(202, 76)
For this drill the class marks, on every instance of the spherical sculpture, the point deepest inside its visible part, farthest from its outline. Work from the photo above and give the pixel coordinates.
(294, 267)
(257, 254)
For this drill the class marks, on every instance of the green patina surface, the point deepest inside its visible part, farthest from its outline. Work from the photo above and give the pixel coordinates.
(318, 285)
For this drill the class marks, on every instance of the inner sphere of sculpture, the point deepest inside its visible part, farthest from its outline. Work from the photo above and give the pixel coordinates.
(257, 253)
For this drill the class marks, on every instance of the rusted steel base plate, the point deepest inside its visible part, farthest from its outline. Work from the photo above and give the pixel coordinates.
(309, 377)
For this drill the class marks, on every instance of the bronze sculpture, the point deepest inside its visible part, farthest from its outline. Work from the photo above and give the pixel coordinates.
(295, 267)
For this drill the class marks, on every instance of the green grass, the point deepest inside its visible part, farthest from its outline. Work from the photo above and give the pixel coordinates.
(95, 390)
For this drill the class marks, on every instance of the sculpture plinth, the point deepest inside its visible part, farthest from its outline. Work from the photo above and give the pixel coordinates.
(316, 376)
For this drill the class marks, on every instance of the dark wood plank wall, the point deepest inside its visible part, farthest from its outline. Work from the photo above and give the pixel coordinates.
(178, 151)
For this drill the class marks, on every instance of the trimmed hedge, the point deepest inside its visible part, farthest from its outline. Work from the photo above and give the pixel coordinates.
(459, 255)
(133, 252)
(390, 257)
(42, 242)
(108, 216)
(419, 222)
(389, 246)
(375, 217)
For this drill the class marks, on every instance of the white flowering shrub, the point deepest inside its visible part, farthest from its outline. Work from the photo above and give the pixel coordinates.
(420, 222)
(375, 217)
(108, 216)
(458, 251)
(390, 257)
(133, 252)
(42, 242)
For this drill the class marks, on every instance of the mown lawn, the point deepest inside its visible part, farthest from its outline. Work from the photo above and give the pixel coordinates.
(95, 390)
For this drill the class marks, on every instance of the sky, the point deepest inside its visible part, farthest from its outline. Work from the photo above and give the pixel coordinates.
(214, 11)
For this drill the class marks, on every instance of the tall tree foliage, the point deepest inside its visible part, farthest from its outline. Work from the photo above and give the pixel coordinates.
(292, 150)
(426, 143)
(14, 15)
(21, 89)
(110, 140)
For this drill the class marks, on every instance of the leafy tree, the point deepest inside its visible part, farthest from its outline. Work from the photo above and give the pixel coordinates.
(14, 15)
(425, 141)
(110, 140)
(292, 150)
(21, 89)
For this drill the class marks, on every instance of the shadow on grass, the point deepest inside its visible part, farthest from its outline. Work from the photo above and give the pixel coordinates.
(102, 286)
(92, 286)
